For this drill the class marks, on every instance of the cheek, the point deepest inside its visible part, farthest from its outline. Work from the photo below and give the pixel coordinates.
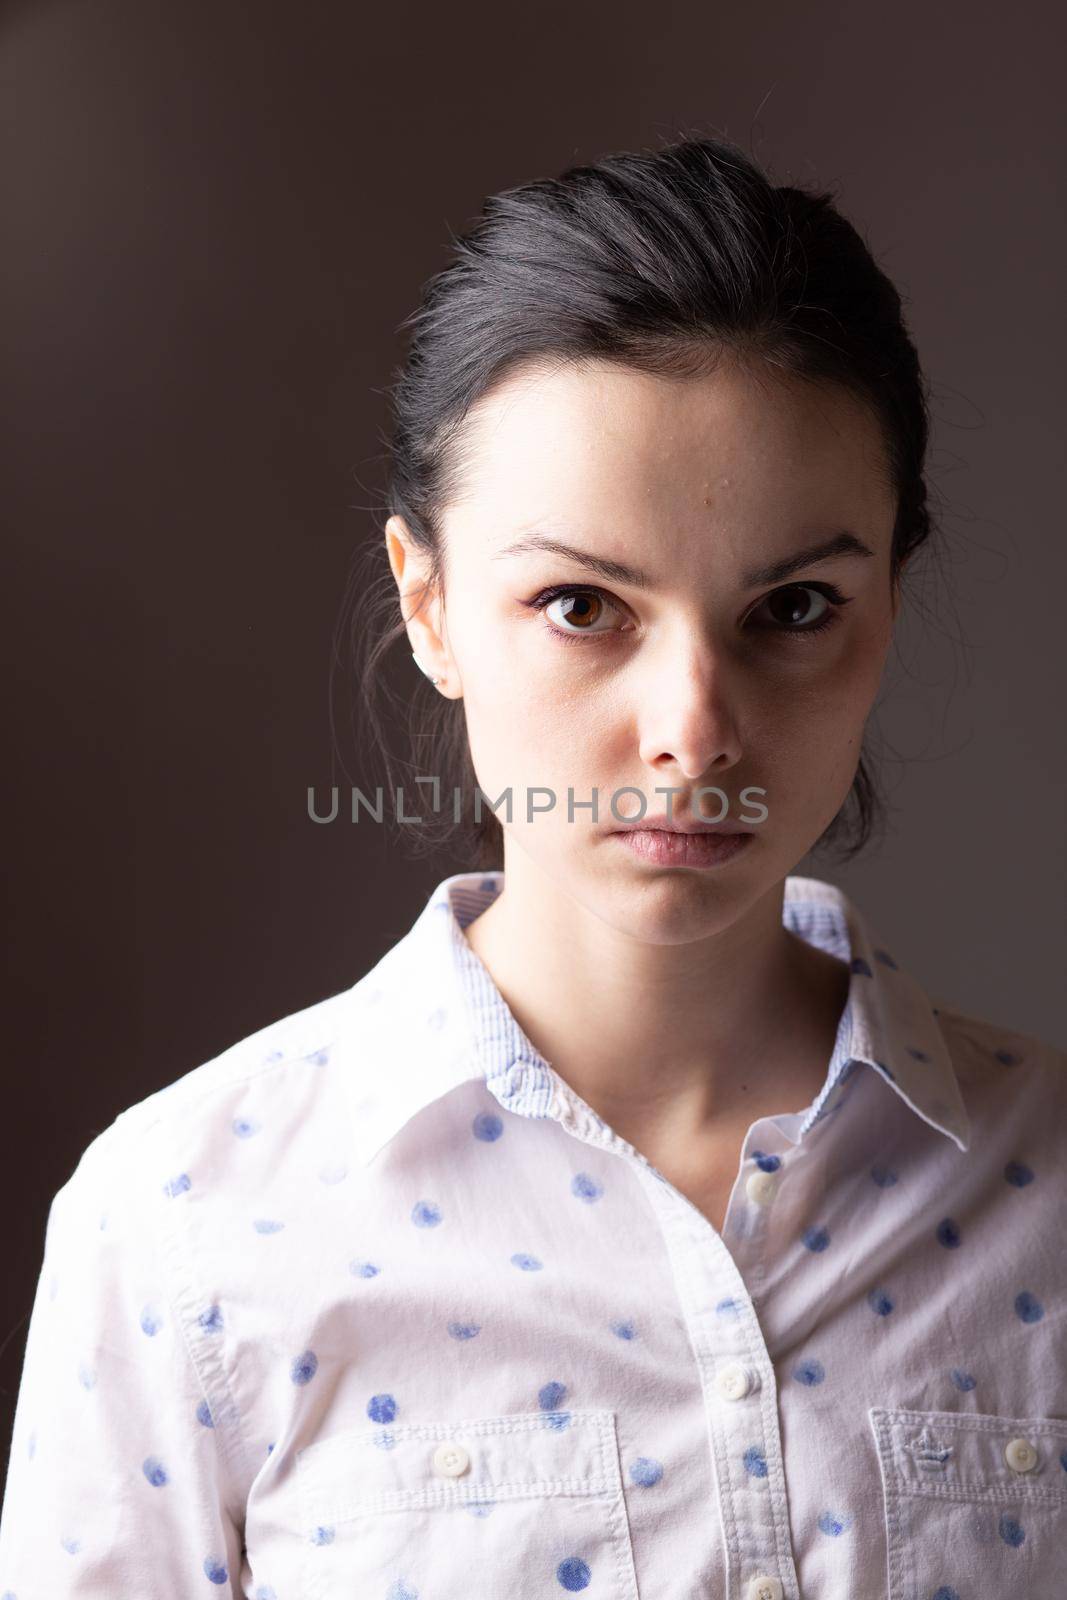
(817, 719)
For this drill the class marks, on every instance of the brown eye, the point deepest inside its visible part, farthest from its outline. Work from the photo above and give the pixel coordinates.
(580, 609)
(797, 606)
(800, 609)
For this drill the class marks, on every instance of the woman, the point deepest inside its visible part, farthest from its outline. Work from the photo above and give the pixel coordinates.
(638, 1225)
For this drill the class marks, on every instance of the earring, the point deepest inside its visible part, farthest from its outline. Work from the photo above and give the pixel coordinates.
(421, 668)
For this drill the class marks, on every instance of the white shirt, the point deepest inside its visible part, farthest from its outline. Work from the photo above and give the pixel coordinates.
(373, 1306)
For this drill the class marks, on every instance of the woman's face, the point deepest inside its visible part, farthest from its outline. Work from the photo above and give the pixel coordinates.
(696, 675)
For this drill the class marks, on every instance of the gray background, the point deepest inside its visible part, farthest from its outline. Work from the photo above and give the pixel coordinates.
(214, 217)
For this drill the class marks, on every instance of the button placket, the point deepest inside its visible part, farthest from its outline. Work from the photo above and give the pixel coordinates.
(742, 1416)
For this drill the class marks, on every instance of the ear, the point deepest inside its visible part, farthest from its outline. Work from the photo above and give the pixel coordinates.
(422, 609)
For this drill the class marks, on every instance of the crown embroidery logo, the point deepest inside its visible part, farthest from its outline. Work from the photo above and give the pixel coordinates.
(930, 1455)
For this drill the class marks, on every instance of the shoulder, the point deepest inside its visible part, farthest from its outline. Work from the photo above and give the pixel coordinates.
(1010, 1078)
(978, 1043)
(277, 1088)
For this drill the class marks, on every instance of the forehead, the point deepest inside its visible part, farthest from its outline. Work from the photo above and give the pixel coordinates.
(622, 439)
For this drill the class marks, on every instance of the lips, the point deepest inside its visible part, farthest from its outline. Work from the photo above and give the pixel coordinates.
(683, 825)
(664, 847)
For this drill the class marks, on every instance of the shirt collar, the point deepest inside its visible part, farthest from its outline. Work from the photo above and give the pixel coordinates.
(428, 1017)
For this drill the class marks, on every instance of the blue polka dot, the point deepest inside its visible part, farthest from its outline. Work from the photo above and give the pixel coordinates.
(573, 1574)
(264, 1592)
(267, 1225)
(71, 1546)
(945, 1593)
(178, 1185)
(1007, 1058)
(1018, 1174)
(86, 1376)
(857, 964)
(319, 1059)
(809, 1372)
(211, 1319)
(402, 1591)
(464, 1330)
(322, 1536)
(424, 1214)
(487, 1126)
(1028, 1308)
(203, 1415)
(304, 1367)
(948, 1233)
(245, 1127)
(624, 1330)
(755, 1462)
(558, 1421)
(1010, 1531)
(962, 1380)
(551, 1395)
(766, 1163)
(525, 1262)
(886, 959)
(1063, 1459)
(834, 1524)
(151, 1321)
(363, 1269)
(154, 1471)
(816, 1239)
(382, 1408)
(920, 1055)
(645, 1471)
(586, 1187)
(729, 1307)
(880, 1302)
(888, 1071)
(215, 1570)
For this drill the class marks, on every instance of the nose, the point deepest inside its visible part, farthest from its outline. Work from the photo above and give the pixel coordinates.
(687, 716)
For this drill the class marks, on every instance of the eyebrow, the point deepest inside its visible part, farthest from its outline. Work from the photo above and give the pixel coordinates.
(841, 544)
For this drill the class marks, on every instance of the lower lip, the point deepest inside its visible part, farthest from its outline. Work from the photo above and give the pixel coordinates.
(663, 849)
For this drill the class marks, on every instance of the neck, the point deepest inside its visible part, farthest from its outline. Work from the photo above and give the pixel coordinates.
(681, 1040)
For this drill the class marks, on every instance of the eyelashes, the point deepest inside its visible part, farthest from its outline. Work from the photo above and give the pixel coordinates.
(827, 591)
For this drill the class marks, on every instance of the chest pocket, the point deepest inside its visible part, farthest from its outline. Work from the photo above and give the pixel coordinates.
(507, 1505)
(974, 1505)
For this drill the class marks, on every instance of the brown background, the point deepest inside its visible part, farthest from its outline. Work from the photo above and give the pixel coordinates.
(214, 217)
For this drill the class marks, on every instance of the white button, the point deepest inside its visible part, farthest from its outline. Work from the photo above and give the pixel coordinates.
(761, 1587)
(735, 1381)
(761, 1187)
(450, 1460)
(1020, 1455)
